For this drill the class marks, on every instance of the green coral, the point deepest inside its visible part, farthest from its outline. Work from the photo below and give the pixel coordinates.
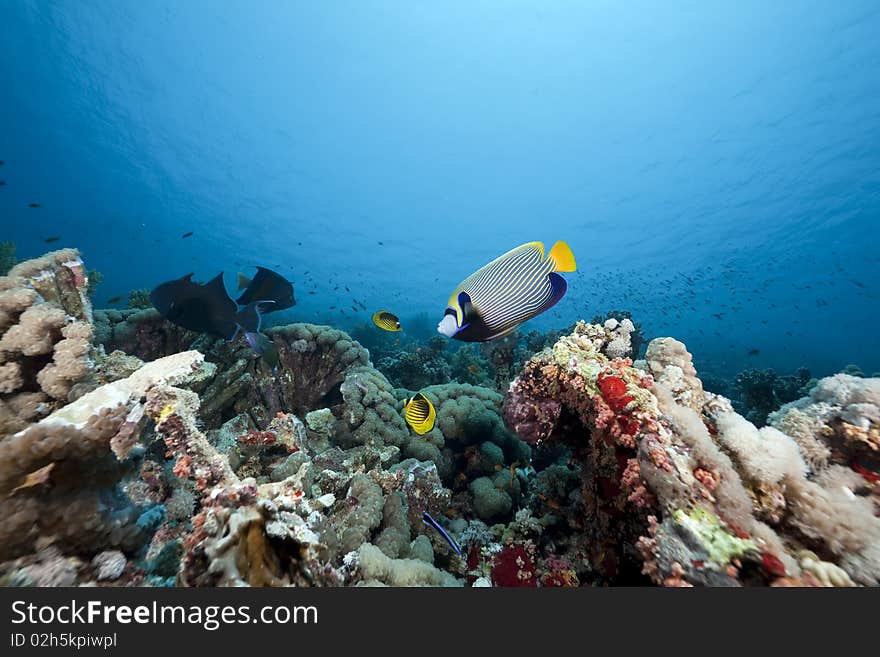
(715, 539)
(7, 257)
(139, 299)
(95, 279)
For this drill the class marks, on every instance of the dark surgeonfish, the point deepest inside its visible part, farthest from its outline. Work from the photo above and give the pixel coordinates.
(266, 285)
(209, 309)
(510, 290)
(205, 308)
(428, 520)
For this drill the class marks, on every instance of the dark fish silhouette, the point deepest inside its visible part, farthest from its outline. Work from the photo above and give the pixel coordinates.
(266, 286)
(49, 240)
(185, 235)
(204, 308)
(33, 205)
(2, 183)
(114, 300)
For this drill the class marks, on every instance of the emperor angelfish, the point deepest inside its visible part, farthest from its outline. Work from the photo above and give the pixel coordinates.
(494, 300)
(419, 413)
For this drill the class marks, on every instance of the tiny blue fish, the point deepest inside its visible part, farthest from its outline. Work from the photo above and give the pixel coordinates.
(428, 520)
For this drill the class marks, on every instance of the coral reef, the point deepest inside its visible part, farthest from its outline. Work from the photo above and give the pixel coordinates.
(136, 453)
(76, 443)
(418, 366)
(7, 257)
(765, 391)
(45, 320)
(139, 299)
(704, 496)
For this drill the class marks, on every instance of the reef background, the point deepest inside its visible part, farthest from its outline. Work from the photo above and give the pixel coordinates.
(714, 167)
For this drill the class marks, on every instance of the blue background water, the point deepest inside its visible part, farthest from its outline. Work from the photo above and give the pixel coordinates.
(701, 158)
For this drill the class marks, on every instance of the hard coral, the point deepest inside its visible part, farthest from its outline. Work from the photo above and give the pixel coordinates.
(45, 322)
(660, 447)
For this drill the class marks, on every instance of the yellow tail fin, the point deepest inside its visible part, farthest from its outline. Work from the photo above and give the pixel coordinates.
(563, 257)
(243, 281)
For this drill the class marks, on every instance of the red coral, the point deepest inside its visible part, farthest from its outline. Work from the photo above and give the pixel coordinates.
(871, 477)
(773, 565)
(183, 466)
(473, 563)
(264, 438)
(558, 572)
(514, 566)
(706, 478)
(614, 391)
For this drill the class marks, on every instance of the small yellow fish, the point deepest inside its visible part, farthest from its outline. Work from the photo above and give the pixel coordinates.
(419, 413)
(386, 321)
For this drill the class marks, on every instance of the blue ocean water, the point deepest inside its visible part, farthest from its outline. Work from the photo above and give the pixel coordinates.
(714, 166)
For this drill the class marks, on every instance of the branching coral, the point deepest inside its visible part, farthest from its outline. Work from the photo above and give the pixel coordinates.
(417, 366)
(764, 391)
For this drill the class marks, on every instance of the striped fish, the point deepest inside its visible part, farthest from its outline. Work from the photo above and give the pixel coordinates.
(386, 321)
(428, 520)
(419, 413)
(510, 290)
